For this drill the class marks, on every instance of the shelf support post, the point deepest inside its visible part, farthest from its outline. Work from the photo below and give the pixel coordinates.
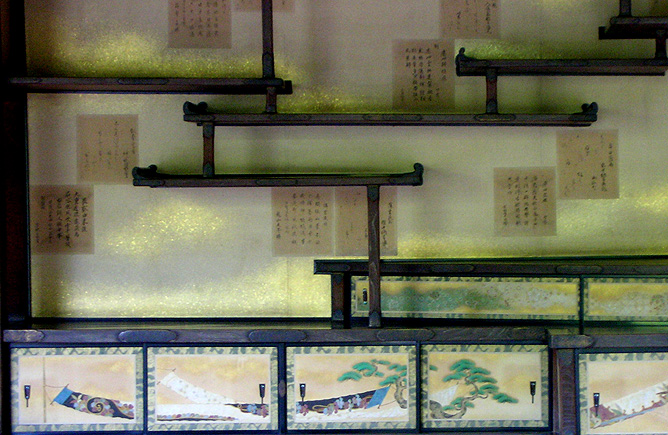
(340, 300)
(373, 208)
(208, 165)
(624, 8)
(268, 71)
(660, 44)
(492, 105)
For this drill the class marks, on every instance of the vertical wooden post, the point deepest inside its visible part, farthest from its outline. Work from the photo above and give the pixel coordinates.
(208, 164)
(564, 395)
(492, 105)
(15, 308)
(624, 8)
(340, 300)
(373, 207)
(660, 52)
(268, 71)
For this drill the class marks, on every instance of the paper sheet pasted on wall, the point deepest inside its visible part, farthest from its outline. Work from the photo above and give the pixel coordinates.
(423, 75)
(525, 202)
(352, 230)
(469, 18)
(200, 24)
(61, 219)
(106, 148)
(588, 164)
(302, 221)
(256, 5)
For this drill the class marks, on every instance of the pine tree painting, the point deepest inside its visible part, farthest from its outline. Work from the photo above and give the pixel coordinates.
(468, 384)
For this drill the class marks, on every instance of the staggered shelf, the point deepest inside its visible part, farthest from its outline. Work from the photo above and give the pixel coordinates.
(229, 86)
(584, 118)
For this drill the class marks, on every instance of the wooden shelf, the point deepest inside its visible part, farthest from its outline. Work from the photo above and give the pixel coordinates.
(152, 178)
(528, 267)
(176, 333)
(584, 118)
(239, 86)
(468, 66)
(629, 27)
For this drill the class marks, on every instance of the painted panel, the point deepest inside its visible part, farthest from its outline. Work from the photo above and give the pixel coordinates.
(77, 389)
(623, 393)
(485, 386)
(212, 388)
(630, 299)
(351, 387)
(472, 297)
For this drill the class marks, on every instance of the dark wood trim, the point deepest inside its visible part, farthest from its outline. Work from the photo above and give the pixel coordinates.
(469, 66)
(222, 86)
(584, 118)
(80, 335)
(373, 221)
(564, 392)
(507, 267)
(152, 178)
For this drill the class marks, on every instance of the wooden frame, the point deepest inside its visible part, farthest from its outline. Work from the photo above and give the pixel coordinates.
(471, 387)
(77, 389)
(212, 388)
(351, 387)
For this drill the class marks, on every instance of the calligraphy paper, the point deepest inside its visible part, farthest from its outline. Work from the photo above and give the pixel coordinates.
(525, 202)
(423, 75)
(470, 18)
(302, 221)
(588, 164)
(61, 219)
(352, 228)
(107, 148)
(200, 24)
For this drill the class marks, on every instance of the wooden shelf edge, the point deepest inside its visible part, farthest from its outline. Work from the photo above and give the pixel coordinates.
(585, 118)
(591, 267)
(240, 86)
(629, 27)
(152, 178)
(178, 335)
(469, 66)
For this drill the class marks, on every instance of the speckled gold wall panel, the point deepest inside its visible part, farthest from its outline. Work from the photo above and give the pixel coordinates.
(207, 252)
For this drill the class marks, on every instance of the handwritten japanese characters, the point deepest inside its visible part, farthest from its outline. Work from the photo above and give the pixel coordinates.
(352, 231)
(310, 221)
(107, 148)
(525, 202)
(302, 219)
(588, 164)
(200, 24)
(423, 75)
(61, 219)
(470, 18)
